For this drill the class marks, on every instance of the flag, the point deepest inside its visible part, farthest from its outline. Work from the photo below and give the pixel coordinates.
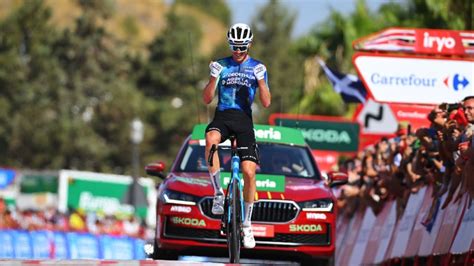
(349, 86)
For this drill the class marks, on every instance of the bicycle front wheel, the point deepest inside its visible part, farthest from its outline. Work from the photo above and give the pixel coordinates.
(234, 227)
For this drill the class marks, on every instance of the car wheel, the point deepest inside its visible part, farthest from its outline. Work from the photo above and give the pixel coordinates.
(318, 261)
(163, 254)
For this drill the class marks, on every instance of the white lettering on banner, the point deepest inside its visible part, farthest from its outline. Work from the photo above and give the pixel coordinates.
(411, 80)
(267, 183)
(109, 205)
(402, 79)
(329, 135)
(268, 134)
(183, 209)
(188, 221)
(440, 42)
(306, 228)
(414, 114)
(315, 216)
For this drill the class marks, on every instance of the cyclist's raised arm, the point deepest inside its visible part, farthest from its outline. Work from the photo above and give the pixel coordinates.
(260, 72)
(210, 89)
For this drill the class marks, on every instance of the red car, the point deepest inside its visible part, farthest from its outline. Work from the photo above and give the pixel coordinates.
(294, 214)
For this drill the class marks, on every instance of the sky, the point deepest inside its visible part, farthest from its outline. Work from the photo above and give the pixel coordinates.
(309, 12)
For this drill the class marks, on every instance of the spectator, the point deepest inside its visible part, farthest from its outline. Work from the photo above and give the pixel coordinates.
(77, 221)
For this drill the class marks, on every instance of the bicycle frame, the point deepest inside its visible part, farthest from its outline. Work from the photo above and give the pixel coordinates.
(231, 221)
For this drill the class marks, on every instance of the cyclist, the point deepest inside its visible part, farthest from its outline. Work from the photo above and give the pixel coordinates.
(237, 79)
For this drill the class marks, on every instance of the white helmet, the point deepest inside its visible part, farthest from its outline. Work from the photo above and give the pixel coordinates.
(239, 34)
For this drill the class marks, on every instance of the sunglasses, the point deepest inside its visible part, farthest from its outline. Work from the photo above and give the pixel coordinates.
(241, 48)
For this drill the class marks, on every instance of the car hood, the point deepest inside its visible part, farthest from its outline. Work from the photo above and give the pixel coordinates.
(297, 189)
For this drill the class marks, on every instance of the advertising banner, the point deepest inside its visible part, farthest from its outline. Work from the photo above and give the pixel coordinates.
(423, 41)
(22, 244)
(6, 177)
(60, 250)
(361, 243)
(103, 192)
(6, 250)
(406, 223)
(451, 219)
(18, 244)
(465, 235)
(322, 132)
(415, 79)
(417, 233)
(83, 246)
(41, 244)
(117, 248)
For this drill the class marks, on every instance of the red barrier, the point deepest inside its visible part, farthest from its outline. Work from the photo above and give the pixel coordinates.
(349, 240)
(429, 238)
(361, 242)
(463, 241)
(380, 234)
(450, 225)
(341, 231)
(406, 223)
(366, 239)
(416, 235)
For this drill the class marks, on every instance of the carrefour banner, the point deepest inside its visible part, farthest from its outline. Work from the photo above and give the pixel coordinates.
(415, 79)
(322, 132)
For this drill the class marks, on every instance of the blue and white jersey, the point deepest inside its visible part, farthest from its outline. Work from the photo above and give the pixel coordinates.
(237, 84)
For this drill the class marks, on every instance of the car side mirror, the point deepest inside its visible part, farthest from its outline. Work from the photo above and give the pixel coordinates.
(156, 169)
(337, 178)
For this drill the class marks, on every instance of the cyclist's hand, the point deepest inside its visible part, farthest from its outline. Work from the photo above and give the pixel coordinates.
(216, 69)
(259, 71)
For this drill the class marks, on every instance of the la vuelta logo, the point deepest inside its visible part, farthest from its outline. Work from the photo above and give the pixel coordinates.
(438, 41)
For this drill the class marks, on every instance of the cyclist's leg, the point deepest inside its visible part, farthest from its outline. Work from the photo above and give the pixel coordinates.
(248, 171)
(216, 132)
(249, 160)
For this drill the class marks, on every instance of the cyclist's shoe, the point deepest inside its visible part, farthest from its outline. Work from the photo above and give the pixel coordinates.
(248, 239)
(218, 204)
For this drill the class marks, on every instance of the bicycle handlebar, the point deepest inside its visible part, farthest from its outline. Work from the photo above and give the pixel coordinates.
(214, 148)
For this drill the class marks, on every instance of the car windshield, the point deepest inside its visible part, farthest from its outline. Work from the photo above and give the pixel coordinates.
(275, 159)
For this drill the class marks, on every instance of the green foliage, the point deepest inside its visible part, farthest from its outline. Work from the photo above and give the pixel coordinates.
(215, 8)
(272, 45)
(170, 78)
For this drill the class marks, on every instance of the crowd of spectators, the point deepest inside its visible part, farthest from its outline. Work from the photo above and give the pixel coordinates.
(441, 155)
(76, 221)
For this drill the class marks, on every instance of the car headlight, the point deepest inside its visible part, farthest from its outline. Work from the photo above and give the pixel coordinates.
(174, 197)
(320, 205)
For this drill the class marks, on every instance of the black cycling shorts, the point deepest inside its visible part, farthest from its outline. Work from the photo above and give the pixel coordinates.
(235, 122)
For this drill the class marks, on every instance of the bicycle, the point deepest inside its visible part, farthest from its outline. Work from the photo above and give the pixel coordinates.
(232, 219)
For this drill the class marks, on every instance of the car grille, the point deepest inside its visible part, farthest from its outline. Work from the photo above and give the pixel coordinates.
(268, 211)
(172, 231)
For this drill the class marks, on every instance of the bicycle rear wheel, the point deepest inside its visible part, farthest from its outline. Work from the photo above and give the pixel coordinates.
(234, 226)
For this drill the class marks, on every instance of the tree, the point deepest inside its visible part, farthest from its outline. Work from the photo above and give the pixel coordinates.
(170, 80)
(68, 99)
(273, 26)
(30, 78)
